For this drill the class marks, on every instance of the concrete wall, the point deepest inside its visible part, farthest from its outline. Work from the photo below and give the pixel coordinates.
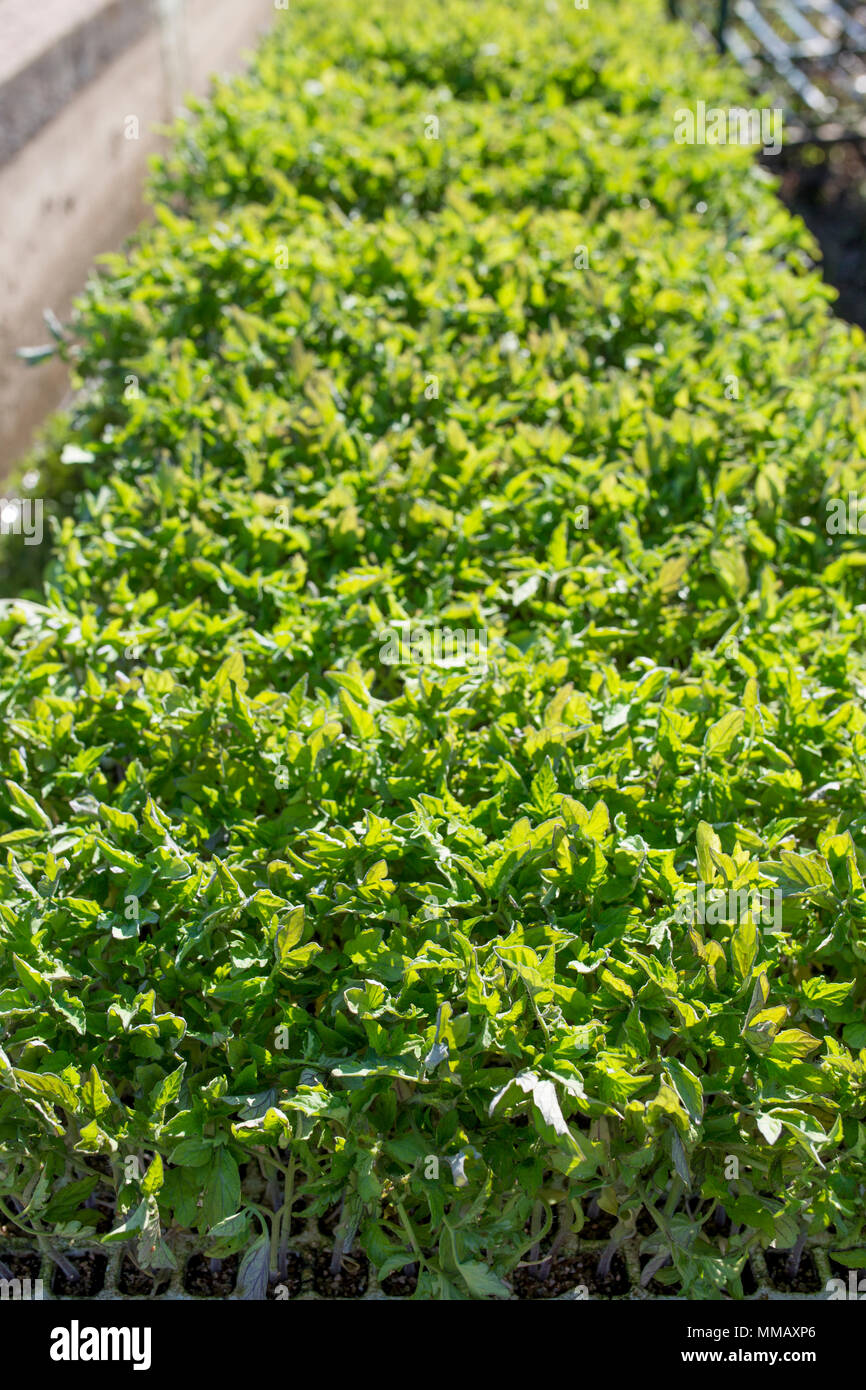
(71, 74)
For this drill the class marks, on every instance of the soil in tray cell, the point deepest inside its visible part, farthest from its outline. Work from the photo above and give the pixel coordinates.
(20, 1266)
(351, 1282)
(88, 1280)
(210, 1278)
(288, 1284)
(806, 1280)
(401, 1283)
(140, 1282)
(568, 1272)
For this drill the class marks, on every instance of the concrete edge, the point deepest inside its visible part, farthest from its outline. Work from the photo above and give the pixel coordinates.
(34, 94)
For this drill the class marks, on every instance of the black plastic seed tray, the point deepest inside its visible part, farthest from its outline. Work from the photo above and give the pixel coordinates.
(578, 1272)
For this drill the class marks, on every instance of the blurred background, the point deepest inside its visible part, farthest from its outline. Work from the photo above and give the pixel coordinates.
(86, 87)
(808, 56)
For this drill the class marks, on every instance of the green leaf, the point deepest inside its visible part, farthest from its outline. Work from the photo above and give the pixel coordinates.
(792, 1044)
(252, 1280)
(222, 1192)
(192, 1153)
(744, 950)
(166, 1091)
(94, 1096)
(7, 1073)
(721, 735)
(153, 1178)
(707, 842)
(770, 1127)
(47, 1087)
(688, 1087)
(481, 1281)
(28, 806)
(362, 722)
(133, 1223)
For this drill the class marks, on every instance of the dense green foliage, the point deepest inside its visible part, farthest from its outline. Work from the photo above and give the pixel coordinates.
(272, 904)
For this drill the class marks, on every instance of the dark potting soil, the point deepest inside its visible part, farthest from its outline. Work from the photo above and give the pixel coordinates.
(140, 1282)
(89, 1276)
(351, 1281)
(210, 1278)
(20, 1266)
(599, 1227)
(568, 1272)
(806, 1280)
(402, 1283)
(289, 1283)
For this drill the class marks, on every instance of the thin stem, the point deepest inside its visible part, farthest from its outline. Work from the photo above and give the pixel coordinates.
(410, 1234)
(18, 1222)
